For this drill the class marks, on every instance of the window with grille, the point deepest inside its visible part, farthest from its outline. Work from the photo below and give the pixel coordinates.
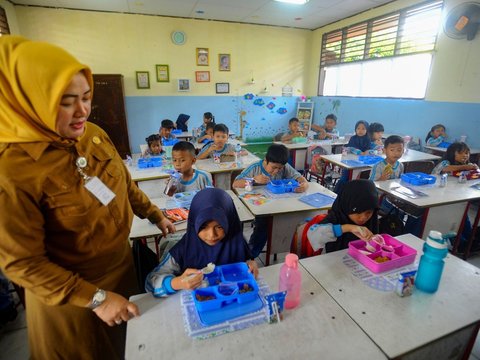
(3, 22)
(388, 56)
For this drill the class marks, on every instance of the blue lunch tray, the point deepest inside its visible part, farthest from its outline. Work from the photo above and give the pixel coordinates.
(418, 178)
(282, 186)
(224, 285)
(149, 162)
(369, 159)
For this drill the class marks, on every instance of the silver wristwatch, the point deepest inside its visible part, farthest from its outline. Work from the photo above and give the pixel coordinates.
(98, 298)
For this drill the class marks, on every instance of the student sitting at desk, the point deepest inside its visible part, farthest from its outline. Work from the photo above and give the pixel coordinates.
(208, 137)
(375, 133)
(360, 142)
(182, 122)
(183, 158)
(455, 159)
(165, 131)
(293, 130)
(436, 135)
(214, 235)
(273, 167)
(207, 119)
(154, 146)
(353, 216)
(219, 145)
(328, 130)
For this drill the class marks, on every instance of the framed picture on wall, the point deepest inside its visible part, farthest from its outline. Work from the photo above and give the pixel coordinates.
(183, 85)
(163, 75)
(202, 56)
(143, 79)
(224, 62)
(222, 88)
(202, 76)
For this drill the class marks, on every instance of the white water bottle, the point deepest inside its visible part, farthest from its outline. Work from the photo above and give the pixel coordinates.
(238, 157)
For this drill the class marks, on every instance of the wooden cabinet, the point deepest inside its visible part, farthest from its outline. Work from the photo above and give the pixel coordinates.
(108, 109)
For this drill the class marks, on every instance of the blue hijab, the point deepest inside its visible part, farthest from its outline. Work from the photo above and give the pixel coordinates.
(191, 252)
(362, 143)
(182, 122)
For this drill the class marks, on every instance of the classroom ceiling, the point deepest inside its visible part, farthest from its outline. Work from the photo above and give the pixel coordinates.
(312, 15)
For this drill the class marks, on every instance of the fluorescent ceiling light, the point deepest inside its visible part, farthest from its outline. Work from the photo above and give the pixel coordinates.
(298, 2)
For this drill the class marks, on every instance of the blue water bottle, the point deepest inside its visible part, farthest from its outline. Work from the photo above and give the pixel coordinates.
(431, 263)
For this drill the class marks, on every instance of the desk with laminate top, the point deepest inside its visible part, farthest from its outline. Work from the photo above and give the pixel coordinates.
(421, 326)
(317, 329)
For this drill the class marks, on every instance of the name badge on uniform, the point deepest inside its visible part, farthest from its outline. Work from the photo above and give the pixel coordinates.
(99, 190)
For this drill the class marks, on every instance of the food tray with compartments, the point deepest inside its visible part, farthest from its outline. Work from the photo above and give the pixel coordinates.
(470, 174)
(154, 161)
(381, 260)
(418, 178)
(232, 291)
(282, 186)
(184, 199)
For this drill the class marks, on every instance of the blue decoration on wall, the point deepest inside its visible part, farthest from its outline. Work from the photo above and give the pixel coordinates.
(259, 102)
(248, 96)
(270, 105)
(282, 110)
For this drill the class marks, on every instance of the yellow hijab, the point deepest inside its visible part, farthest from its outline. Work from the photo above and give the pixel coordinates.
(33, 78)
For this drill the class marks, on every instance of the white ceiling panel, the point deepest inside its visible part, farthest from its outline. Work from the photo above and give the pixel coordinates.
(314, 14)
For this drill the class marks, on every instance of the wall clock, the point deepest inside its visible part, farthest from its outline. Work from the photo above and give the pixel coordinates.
(179, 37)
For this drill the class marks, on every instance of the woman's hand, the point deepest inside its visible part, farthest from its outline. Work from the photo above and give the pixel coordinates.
(166, 226)
(253, 267)
(116, 309)
(189, 280)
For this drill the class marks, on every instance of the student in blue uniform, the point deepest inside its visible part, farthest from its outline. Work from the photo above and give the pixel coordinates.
(183, 158)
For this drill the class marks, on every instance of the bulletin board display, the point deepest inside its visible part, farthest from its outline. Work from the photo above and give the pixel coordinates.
(305, 114)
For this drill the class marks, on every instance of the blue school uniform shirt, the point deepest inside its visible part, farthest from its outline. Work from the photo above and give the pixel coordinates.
(170, 138)
(378, 169)
(288, 172)
(227, 148)
(437, 170)
(200, 180)
(431, 141)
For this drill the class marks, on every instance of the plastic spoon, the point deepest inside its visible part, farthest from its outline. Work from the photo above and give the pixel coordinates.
(206, 270)
(381, 241)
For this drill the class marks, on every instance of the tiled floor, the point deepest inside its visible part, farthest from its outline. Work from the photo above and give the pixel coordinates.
(13, 337)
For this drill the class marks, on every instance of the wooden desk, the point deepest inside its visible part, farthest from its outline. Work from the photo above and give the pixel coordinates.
(318, 328)
(222, 173)
(421, 326)
(185, 135)
(298, 151)
(283, 216)
(143, 228)
(445, 207)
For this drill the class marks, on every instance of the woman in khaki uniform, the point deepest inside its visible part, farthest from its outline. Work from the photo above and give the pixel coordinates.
(67, 203)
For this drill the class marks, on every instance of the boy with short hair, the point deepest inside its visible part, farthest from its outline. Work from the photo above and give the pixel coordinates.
(273, 167)
(389, 168)
(183, 158)
(293, 130)
(219, 145)
(165, 131)
(328, 130)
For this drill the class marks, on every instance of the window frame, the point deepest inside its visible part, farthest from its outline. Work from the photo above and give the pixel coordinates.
(367, 26)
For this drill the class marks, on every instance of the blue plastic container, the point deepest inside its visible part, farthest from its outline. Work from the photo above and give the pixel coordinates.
(418, 178)
(369, 159)
(431, 264)
(169, 142)
(176, 132)
(226, 297)
(184, 199)
(149, 162)
(282, 186)
(444, 144)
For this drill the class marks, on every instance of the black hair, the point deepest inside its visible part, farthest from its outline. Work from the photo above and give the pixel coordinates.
(152, 138)
(452, 149)
(184, 146)
(210, 125)
(209, 115)
(277, 153)
(331, 116)
(292, 120)
(393, 139)
(434, 127)
(221, 128)
(374, 127)
(167, 124)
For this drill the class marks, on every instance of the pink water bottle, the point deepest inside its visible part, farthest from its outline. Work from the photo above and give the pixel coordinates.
(291, 281)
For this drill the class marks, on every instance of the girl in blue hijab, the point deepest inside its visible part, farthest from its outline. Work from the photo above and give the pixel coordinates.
(214, 235)
(182, 121)
(360, 141)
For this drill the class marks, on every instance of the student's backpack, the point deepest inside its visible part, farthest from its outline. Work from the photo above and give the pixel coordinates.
(391, 223)
(300, 244)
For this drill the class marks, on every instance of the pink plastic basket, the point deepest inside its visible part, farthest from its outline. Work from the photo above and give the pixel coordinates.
(402, 254)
